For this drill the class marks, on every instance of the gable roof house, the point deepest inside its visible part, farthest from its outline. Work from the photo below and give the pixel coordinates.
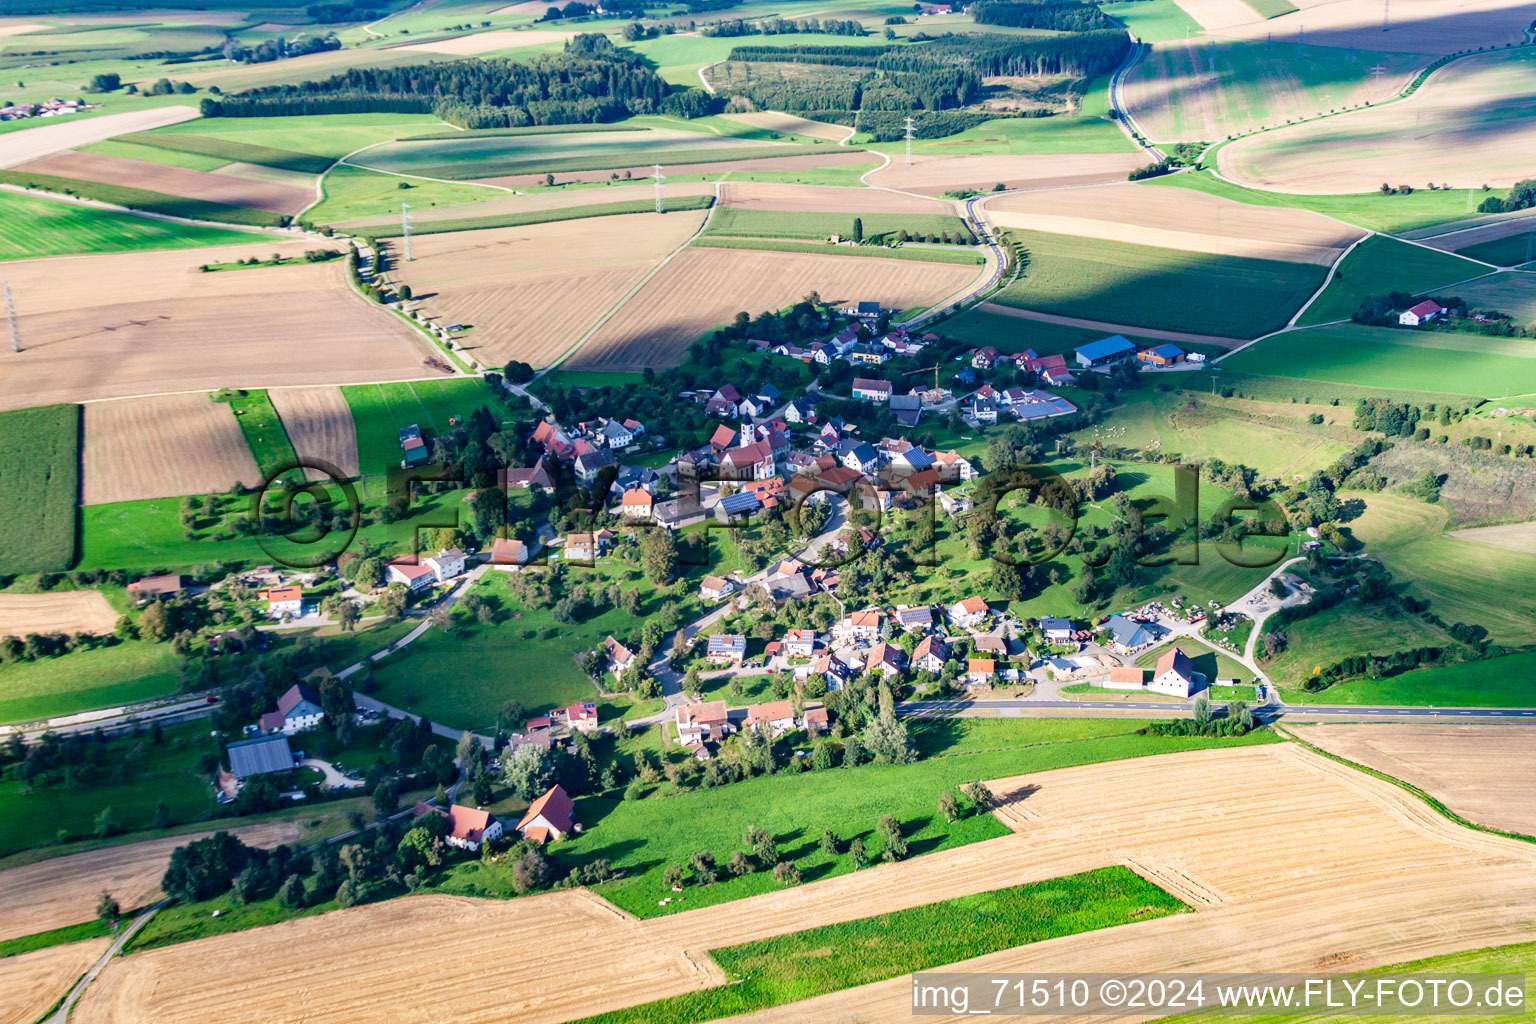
(980, 671)
(737, 506)
(801, 410)
(968, 612)
(749, 462)
(468, 827)
(864, 625)
(445, 564)
(907, 409)
(619, 656)
(1128, 634)
(871, 389)
(296, 710)
(1161, 355)
(1423, 313)
(533, 476)
(713, 588)
(709, 720)
(508, 553)
(551, 816)
(861, 456)
(930, 655)
(730, 648)
(799, 643)
(953, 466)
(777, 715)
(918, 617)
(1056, 630)
(887, 658)
(590, 464)
(636, 504)
(1174, 674)
(415, 575)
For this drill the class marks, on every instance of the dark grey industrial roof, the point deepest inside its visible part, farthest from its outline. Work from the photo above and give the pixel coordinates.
(259, 756)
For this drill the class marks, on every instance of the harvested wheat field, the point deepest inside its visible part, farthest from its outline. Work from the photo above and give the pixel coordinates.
(1510, 537)
(33, 143)
(498, 203)
(532, 8)
(1218, 13)
(72, 611)
(764, 195)
(703, 288)
(319, 425)
(486, 42)
(33, 982)
(16, 28)
(1485, 771)
(175, 181)
(1448, 132)
(808, 161)
(123, 324)
(1179, 218)
(1399, 882)
(162, 447)
(934, 175)
(789, 124)
(1415, 26)
(530, 292)
(63, 890)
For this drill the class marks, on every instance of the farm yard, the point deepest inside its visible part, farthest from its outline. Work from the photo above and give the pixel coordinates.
(1467, 890)
(39, 486)
(156, 324)
(37, 226)
(34, 981)
(529, 293)
(703, 288)
(72, 611)
(1447, 132)
(1482, 771)
(62, 891)
(202, 186)
(932, 174)
(319, 426)
(1395, 358)
(162, 447)
(1147, 286)
(1177, 219)
(1204, 90)
(380, 410)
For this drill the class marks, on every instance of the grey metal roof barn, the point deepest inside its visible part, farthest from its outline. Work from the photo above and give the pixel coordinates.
(259, 756)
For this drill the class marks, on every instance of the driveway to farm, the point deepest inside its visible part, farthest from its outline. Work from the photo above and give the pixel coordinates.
(333, 778)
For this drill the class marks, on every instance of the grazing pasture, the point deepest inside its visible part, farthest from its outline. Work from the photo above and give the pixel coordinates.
(934, 174)
(156, 324)
(35, 143)
(1147, 286)
(1395, 358)
(39, 486)
(68, 611)
(203, 186)
(1380, 265)
(1203, 90)
(38, 226)
(162, 447)
(1178, 219)
(530, 292)
(319, 425)
(1483, 771)
(703, 288)
(263, 431)
(1447, 132)
(494, 156)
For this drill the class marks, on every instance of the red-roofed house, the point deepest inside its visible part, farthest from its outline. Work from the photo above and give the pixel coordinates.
(722, 438)
(1423, 313)
(871, 389)
(969, 612)
(284, 601)
(930, 655)
(707, 721)
(468, 827)
(581, 717)
(980, 671)
(415, 577)
(155, 586)
(551, 816)
(777, 715)
(636, 503)
(619, 656)
(507, 553)
(1174, 674)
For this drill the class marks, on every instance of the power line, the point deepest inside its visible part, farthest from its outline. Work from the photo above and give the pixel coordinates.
(658, 189)
(405, 229)
(911, 129)
(1385, 5)
(10, 315)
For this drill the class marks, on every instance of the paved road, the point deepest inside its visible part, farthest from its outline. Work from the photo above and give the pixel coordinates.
(61, 1015)
(1268, 712)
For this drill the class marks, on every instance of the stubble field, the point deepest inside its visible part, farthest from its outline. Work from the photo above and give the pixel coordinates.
(1472, 123)
(319, 424)
(703, 288)
(30, 983)
(62, 891)
(1485, 771)
(161, 447)
(152, 323)
(208, 186)
(1178, 219)
(72, 611)
(1400, 881)
(530, 292)
(33, 143)
(936, 174)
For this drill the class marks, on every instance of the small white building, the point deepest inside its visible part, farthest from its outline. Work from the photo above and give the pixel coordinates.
(415, 577)
(1423, 313)
(969, 612)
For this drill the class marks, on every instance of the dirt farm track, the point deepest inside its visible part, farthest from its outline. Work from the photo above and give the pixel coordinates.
(89, 331)
(1399, 880)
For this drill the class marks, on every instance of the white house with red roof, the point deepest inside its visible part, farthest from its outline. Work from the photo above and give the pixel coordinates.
(581, 717)
(709, 720)
(415, 575)
(871, 389)
(799, 643)
(1423, 313)
(1174, 674)
(468, 827)
(969, 612)
(550, 817)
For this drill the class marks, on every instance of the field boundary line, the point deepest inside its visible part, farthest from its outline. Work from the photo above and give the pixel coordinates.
(668, 258)
(1408, 787)
(1333, 270)
(168, 218)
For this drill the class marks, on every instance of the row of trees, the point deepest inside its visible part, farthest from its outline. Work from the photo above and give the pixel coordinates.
(784, 27)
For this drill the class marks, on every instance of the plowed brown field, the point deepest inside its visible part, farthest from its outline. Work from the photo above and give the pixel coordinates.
(764, 195)
(934, 175)
(63, 890)
(162, 447)
(148, 322)
(1179, 218)
(174, 181)
(319, 423)
(70, 611)
(1485, 771)
(32, 982)
(703, 288)
(1397, 880)
(530, 292)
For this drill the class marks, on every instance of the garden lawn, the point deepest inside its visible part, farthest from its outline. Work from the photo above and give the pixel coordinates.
(1384, 359)
(782, 224)
(48, 227)
(1150, 286)
(789, 968)
(39, 486)
(1379, 265)
(1211, 664)
(380, 410)
(641, 837)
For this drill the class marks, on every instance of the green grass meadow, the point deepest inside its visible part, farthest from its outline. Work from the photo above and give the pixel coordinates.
(819, 226)
(380, 410)
(1379, 265)
(126, 673)
(954, 254)
(324, 135)
(1149, 286)
(355, 192)
(264, 432)
(37, 226)
(802, 965)
(39, 487)
(231, 150)
(1510, 251)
